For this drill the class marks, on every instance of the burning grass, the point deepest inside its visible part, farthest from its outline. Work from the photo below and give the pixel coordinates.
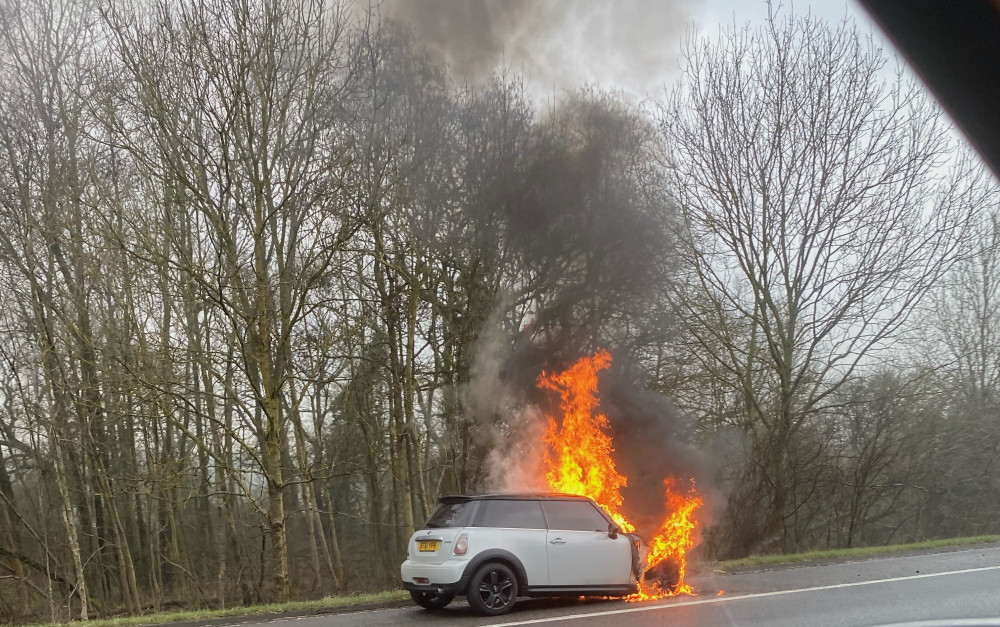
(578, 460)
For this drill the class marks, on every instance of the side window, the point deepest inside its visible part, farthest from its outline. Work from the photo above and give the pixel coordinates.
(574, 516)
(515, 514)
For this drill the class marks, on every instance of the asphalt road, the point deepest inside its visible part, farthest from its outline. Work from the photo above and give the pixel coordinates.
(878, 591)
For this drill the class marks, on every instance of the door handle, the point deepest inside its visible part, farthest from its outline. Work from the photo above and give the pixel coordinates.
(557, 541)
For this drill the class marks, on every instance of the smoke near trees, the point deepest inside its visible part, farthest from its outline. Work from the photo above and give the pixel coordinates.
(559, 43)
(274, 280)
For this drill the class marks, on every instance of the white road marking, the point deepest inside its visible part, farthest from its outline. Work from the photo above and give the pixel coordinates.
(756, 595)
(965, 622)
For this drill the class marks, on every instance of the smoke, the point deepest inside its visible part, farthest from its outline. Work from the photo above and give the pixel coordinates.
(653, 440)
(507, 423)
(486, 394)
(589, 221)
(515, 465)
(585, 213)
(556, 44)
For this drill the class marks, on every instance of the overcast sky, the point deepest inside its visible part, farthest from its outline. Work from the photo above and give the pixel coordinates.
(711, 13)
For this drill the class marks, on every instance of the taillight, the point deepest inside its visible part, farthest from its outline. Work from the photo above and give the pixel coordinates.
(462, 544)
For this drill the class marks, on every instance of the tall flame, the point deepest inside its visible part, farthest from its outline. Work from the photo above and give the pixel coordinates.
(578, 452)
(578, 461)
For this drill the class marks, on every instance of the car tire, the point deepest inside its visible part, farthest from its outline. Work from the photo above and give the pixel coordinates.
(431, 600)
(492, 589)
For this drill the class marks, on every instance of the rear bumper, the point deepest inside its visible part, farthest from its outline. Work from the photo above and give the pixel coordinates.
(449, 577)
(455, 589)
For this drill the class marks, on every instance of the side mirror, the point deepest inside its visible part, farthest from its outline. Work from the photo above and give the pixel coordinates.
(613, 530)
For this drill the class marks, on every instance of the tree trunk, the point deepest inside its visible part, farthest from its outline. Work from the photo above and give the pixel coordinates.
(69, 522)
(7, 538)
(276, 501)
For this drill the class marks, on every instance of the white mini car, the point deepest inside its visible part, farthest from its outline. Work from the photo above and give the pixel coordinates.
(494, 548)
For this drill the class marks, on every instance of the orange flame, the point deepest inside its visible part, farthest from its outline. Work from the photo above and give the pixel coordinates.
(578, 452)
(671, 542)
(578, 461)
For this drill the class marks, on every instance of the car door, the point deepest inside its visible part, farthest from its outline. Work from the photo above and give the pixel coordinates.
(516, 526)
(580, 552)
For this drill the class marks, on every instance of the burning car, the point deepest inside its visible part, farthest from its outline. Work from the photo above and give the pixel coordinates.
(579, 459)
(495, 548)
(576, 540)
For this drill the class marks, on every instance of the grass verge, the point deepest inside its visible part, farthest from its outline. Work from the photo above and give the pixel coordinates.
(328, 603)
(764, 560)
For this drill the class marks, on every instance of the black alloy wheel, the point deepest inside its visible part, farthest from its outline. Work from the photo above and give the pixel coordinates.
(431, 600)
(493, 590)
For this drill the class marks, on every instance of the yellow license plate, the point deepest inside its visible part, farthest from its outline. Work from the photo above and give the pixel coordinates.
(428, 545)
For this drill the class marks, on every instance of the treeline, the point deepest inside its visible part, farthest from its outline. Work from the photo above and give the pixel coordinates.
(272, 283)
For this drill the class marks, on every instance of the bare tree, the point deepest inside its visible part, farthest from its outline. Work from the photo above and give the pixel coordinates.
(240, 129)
(962, 349)
(821, 202)
(44, 243)
(966, 317)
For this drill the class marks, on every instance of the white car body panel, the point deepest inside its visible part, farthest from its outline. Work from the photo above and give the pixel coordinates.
(527, 544)
(436, 574)
(588, 558)
(440, 566)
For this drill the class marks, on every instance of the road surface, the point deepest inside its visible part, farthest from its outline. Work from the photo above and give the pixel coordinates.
(876, 591)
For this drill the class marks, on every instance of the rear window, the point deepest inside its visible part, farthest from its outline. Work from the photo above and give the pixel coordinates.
(511, 514)
(450, 515)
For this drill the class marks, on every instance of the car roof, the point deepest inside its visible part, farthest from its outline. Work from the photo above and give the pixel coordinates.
(511, 496)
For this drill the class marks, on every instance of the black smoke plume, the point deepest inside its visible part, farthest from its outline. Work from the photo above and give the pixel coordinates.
(582, 209)
(653, 440)
(591, 223)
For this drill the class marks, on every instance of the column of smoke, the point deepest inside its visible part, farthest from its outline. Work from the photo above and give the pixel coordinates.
(605, 251)
(515, 452)
(601, 251)
(557, 44)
